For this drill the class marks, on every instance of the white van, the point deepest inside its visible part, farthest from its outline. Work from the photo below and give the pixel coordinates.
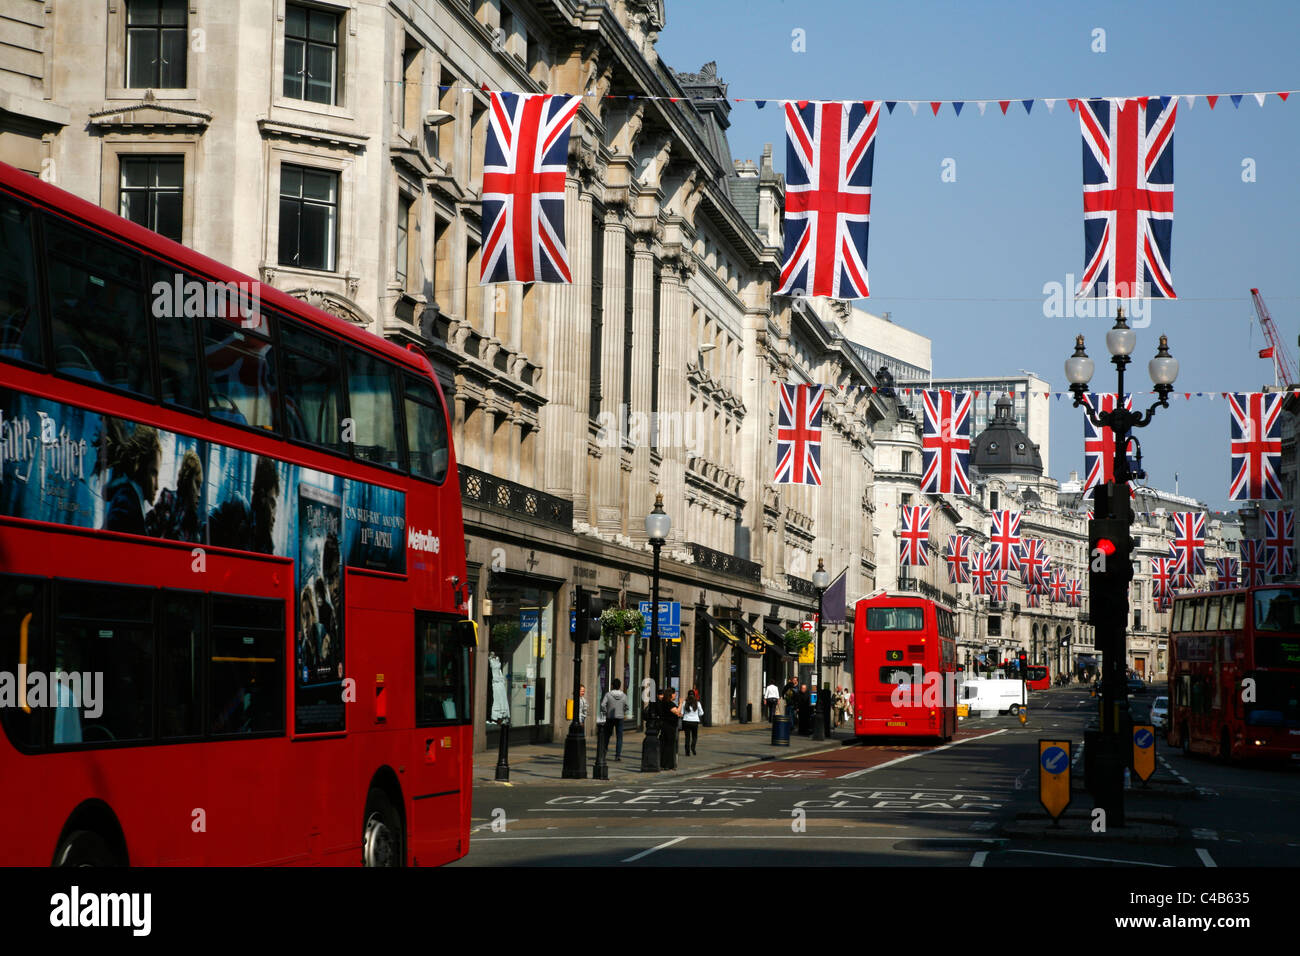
(988, 696)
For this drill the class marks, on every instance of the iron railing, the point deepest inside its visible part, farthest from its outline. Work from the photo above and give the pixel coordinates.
(489, 492)
(726, 563)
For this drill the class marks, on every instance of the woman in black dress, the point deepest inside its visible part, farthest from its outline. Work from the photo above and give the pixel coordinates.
(669, 712)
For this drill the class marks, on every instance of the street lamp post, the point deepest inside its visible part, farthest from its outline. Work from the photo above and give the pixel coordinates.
(820, 580)
(1111, 501)
(657, 526)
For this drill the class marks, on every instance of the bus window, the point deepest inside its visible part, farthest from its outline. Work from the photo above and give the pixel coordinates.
(180, 694)
(372, 404)
(177, 363)
(96, 305)
(442, 664)
(895, 619)
(22, 645)
(311, 392)
(1177, 623)
(1277, 610)
(246, 667)
(20, 323)
(1198, 612)
(240, 374)
(1212, 613)
(426, 431)
(1239, 612)
(104, 634)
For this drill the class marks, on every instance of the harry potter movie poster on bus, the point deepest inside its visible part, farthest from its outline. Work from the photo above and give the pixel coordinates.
(319, 658)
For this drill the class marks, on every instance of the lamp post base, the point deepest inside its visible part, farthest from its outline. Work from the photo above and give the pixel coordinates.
(601, 769)
(575, 753)
(650, 750)
(503, 751)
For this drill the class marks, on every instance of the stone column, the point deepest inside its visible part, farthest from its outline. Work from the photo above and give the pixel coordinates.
(674, 349)
(606, 503)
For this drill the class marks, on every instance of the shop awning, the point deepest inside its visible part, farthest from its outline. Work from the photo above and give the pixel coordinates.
(775, 638)
(753, 641)
(718, 628)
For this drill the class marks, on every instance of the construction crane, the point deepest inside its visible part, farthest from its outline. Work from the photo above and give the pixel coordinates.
(1283, 367)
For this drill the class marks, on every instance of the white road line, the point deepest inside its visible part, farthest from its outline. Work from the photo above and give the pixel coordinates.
(978, 858)
(1200, 833)
(923, 753)
(1204, 854)
(661, 846)
(1099, 859)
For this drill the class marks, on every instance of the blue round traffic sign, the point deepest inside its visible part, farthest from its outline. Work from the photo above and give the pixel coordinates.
(1055, 760)
(1143, 738)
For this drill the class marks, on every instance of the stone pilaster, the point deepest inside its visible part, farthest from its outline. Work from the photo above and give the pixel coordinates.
(607, 504)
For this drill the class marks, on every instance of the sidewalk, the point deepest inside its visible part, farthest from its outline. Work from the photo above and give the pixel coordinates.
(720, 748)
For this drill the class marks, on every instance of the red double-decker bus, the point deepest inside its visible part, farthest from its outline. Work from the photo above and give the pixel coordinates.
(1234, 673)
(904, 667)
(232, 578)
(1038, 676)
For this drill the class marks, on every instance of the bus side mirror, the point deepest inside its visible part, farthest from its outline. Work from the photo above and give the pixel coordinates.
(467, 631)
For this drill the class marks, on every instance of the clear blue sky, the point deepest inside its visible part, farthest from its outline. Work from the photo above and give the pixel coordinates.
(965, 262)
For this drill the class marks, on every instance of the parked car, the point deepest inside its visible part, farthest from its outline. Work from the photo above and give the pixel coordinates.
(1160, 713)
(1136, 685)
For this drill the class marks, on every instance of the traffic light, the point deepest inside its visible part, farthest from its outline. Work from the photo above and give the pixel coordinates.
(1022, 662)
(1110, 568)
(587, 627)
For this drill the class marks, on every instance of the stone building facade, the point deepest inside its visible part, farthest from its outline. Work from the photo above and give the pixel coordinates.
(333, 149)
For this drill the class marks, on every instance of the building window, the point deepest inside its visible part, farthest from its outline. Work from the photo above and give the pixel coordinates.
(156, 40)
(412, 83)
(404, 205)
(308, 217)
(311, 54)
(907, 461)
(150, 193)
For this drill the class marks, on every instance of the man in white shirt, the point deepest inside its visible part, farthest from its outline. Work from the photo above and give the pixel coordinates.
(770, 697)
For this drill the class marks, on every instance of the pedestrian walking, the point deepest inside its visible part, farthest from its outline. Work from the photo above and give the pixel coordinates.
(691, 715)
(770, 697)
(614, 707)
(804, 703)
(582, 704)
(669, 713)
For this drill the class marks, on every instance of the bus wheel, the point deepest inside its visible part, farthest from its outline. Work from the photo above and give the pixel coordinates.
(381, 842)
(83, 848)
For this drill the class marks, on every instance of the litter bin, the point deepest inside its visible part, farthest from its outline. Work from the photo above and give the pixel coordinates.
(781, 730)
(749, 713)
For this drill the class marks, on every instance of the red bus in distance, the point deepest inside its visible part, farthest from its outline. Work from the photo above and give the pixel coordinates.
(1234, 673)
(904, 667)
(1038, 676)
(232, 572)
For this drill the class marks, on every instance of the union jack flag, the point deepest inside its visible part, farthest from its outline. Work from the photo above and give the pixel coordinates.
(830, 149)
(1256, 446)
(1180, 577)
(1188, 546)
(1254, 564)
(980, 573)
(1162, 572)
(1005, 538)
(914, 536)
(998, 586)
(1074, 593)
(1128, 197)
(525, 156)
(1099, 443)
(1227, 568)
(1057, 585)
(799, 435)
(1279, 538)
(945, 444)
(1032, 599)
(958, 558)
(1033, 558)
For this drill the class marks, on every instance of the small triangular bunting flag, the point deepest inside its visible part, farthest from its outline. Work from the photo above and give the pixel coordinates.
(934, 105)
(760, 103)
(1283, 95)
(1050, 104)
(1142, 101)
(1004, 104)
(983, 103)
(1189, 99)
(957, 105)
(913, 104)
(1211, 100)
(890, 104)
(1236, 99)
(1259, 98)
(1028, 105)
(802, 104)
(1074, 105)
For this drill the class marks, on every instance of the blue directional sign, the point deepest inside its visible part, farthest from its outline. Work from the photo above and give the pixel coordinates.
(573, 622)
(1143, 737)
(1055, 760)
(670, 620)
